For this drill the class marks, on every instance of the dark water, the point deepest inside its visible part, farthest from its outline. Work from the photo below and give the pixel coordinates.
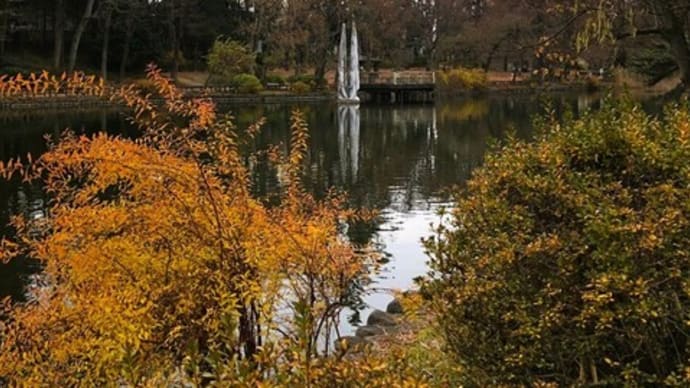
(398, 159)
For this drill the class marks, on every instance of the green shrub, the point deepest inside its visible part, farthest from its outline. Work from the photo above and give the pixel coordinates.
(228, 58)
(457, 80)
(567, 260)
(247, 83)
(300, 87)
(305, 78)
(276, 79)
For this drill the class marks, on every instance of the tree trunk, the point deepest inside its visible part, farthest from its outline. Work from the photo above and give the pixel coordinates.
(106, 43)
(174, 40)
(44, 28)
(681, 53)
(76, 39)
(322, 61)
(129, 34)
(490, 57)
(675, 35)
(4, 19)
(320, 73)
(59, 34)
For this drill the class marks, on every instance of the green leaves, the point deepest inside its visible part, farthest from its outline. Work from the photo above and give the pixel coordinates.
(227, 59)
(567, 257)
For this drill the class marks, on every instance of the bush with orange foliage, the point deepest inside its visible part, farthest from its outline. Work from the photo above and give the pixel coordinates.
(164, 269)
(46, 84)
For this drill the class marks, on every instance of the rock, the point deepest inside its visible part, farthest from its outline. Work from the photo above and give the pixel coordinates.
(380, 318)
(394, 307)
(351, 342)
(369, 331)
(411, 293)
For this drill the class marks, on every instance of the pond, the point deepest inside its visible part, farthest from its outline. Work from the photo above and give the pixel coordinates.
(398, 159)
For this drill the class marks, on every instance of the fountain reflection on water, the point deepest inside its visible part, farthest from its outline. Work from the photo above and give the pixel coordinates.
(348, 140)
(394, 158)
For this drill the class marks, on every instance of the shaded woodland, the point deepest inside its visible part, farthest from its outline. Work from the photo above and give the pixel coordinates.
(119, 37)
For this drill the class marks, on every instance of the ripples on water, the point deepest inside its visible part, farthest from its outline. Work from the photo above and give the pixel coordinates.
(398, 159)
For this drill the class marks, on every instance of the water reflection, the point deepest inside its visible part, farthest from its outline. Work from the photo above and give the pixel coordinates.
(348, 141)
(23, 133)
(394, 158)
(18, 198)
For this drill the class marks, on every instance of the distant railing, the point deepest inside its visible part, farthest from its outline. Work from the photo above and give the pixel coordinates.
(400, 78)
(225, 90)
(210, 90)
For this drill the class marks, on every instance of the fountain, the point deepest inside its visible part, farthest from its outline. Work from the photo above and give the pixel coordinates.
(348, 79)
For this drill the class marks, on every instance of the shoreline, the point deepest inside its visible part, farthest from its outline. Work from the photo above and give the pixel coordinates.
(23, 103)
(92, 102)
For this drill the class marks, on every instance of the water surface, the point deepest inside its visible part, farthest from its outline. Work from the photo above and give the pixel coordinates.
(398, 159)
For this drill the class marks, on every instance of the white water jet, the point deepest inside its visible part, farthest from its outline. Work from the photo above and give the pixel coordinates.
(348, 67)
(342, 54)
(354, 65)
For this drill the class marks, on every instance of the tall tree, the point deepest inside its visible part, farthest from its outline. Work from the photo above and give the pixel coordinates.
(616, 20)
(434, 21)
(134, 11)
(260, 28)
(58, 34)
(108, 8)
(78, 32)
(5, 9)
(670, 22)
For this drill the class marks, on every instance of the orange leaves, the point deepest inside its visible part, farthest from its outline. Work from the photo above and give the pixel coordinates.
(42, 84)
(205, 113)
(18, 168)
(156, 246)
(299, 140)
(8, 250)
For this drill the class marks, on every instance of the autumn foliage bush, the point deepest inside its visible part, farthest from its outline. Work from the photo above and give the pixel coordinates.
(300, 87)
(163, 269)
(567, 260)
(44, 83)
(459, 80)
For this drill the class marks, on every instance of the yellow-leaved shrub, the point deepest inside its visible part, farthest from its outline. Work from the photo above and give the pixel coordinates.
(163, 269)
(461, 80)
(566, 261)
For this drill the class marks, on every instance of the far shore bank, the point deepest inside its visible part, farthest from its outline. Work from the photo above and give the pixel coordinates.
(88, 102)
(31, 102)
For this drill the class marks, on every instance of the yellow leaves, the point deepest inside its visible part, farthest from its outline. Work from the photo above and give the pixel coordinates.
(544, 244)
(299, 142)
(598, 298)
(650, 241)
(156, 244)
